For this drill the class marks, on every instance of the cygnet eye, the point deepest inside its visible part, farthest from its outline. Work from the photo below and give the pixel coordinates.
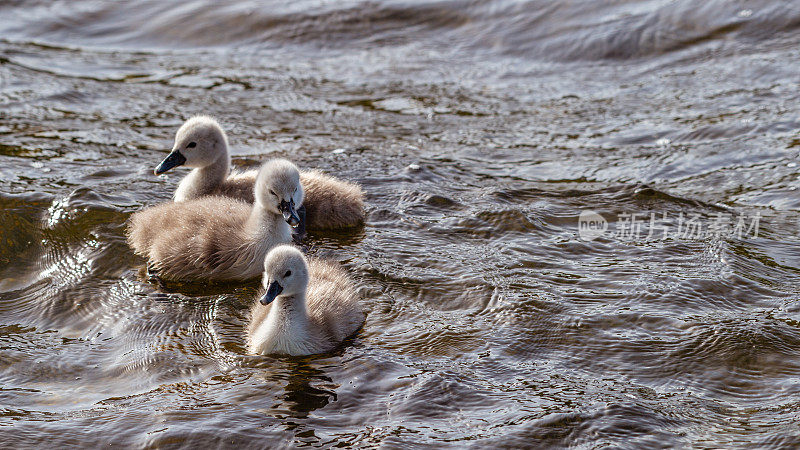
(192, 145)
(273, 192)
(288, 273)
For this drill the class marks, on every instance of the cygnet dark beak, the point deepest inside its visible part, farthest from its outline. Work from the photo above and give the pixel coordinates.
(273, 291)
(174, 159)
(289, 213)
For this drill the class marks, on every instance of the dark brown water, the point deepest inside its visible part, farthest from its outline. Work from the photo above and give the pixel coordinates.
(480, 132)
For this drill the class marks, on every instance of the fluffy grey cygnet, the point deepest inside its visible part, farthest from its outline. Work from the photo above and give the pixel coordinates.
(220, 238)
(202, 145)
(310, 306)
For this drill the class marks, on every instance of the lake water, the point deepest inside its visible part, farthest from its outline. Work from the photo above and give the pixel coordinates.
(480, 132)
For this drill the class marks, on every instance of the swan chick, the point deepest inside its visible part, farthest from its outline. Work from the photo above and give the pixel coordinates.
(332, 203)
(201, 144)
(219, 238)
(309, 306)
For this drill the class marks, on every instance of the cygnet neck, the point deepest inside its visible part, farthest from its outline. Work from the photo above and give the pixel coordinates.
(204, 180)
(291, 311)
(264, 220)
(292, 306)
(287, 327)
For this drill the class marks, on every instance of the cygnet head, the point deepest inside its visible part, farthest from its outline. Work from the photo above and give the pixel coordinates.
(285, 273)
(278, 189)
(200, 142)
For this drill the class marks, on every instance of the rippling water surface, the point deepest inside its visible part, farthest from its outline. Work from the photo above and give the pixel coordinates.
(480, 131)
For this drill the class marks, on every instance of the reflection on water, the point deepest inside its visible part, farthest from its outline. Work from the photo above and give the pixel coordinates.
(480, 132)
